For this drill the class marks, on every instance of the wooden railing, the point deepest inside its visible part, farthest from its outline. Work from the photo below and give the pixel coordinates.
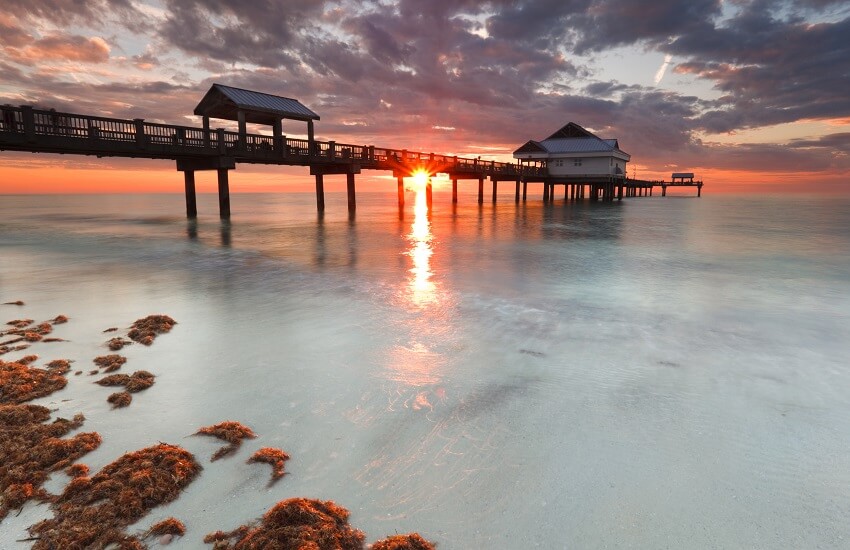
(87, 133)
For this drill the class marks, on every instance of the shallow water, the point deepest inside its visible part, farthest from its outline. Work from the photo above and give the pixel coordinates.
(661, 372)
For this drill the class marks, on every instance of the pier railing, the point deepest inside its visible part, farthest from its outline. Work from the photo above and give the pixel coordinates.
(30, 129)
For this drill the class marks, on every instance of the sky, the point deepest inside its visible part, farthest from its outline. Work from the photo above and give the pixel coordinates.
(750, 95)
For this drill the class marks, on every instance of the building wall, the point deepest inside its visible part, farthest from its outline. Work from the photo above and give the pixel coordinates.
(576, 166)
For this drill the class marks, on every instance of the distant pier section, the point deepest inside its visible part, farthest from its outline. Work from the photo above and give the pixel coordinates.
(25, 128)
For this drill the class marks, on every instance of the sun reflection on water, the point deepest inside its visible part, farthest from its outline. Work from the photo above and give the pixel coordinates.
(422, 288)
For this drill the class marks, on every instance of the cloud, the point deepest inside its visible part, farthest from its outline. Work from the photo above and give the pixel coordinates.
(659, 75)
(61, 47)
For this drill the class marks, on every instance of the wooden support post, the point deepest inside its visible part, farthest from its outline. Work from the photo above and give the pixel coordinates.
(320, 192)
(699, 190)
(277, 131)
(620, 192)
(566, 191)
(191, 201)
(524, 189)
(663, 190)
(516, 197)
(495, 185)
(139, 124)
(311, 139)
(243, 129)
(223, 194)
(28, 120)
(454, 190)
(650, 190)
(400, 192)
(222, 146)
(206, 123)
(545, 191)
(352, 201)
(429, 194)
(480, 190)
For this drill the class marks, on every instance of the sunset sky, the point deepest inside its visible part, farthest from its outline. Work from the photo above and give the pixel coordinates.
(744, 93)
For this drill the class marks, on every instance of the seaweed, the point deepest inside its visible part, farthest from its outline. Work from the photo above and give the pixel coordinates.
(110, 363)
(20, 323)
(32, 449)
(136, 382)
(59, 366)
(19, 382)
(111, 329)
(27, 359)
(120, 399)
(296, 523)
(272, 456)
(229, 431)
(145, 330)
(410, 541)
(168, 526)
(59, 319)
(15, 303)
(49, 340)
(117, 343)
(94, 512)
(77, 470)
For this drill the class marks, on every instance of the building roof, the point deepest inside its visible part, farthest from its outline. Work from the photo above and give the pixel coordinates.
(224, 102)
(572, 138)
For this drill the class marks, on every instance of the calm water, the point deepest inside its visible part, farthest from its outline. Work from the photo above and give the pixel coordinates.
(649, 374)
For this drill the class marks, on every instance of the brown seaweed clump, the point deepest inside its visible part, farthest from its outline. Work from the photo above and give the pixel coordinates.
(59, 366)
(19, 382)
(138, 381)
(411, 541)
(145, 330)
(32, 449)
(110, 363)
(15, 303)
(20, 323)
(120, 399)
(77, 470)
(275, 457)
(168, 526)
(94, 512)
(296, 523)
(59, 319)
(230, 431)
(27, 359)
(117, 343)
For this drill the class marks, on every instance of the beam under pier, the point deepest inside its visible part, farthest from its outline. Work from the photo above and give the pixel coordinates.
(191, 200)
(223, 194)
(320, 192)
(352, 200)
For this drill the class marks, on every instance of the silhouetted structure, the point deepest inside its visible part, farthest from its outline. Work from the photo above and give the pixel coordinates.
(25, 128)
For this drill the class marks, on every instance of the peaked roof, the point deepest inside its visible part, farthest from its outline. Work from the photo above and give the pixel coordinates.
(571, 138)
(224, 102)
(571, 130)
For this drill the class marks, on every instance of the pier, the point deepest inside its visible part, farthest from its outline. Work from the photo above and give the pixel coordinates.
(24, 128)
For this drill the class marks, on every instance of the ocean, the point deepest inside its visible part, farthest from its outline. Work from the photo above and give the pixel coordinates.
(653, 373)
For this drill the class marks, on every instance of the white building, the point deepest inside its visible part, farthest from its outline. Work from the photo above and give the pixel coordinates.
(574, 152)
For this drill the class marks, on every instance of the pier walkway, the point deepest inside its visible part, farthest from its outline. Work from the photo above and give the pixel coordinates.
(25, 128)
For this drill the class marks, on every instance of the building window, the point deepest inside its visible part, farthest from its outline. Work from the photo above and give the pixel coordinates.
(576, 162)
(559, 162)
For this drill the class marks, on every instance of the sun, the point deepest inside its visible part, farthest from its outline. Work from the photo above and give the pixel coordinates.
(420, 179)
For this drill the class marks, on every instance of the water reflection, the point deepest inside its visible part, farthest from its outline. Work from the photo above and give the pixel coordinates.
(423, 291)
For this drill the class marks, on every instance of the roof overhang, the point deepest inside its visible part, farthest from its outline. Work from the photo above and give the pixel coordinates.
(225, 102)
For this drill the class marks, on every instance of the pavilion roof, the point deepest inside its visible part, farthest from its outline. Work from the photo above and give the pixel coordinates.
(224, 102)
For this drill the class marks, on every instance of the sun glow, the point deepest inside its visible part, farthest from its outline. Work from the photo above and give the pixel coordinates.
(420, 180)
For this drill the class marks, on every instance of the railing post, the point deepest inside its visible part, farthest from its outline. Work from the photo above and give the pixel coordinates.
(331, 150)
(222, 146)
(29, 122)
(371, 152)
(140, 132)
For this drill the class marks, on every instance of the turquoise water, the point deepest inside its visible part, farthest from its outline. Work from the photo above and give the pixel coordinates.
(661, 372)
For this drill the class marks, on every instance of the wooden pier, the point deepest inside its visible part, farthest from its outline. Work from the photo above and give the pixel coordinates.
(25, 128)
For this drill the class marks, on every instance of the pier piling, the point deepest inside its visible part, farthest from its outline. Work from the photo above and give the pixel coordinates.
(191, 201)
(352, 201)
(320, 192)
(223, 194)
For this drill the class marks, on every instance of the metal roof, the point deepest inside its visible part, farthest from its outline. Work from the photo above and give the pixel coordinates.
(577, 145)
(225, 101)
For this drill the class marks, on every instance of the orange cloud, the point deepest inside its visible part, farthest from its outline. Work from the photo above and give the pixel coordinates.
(61, 47)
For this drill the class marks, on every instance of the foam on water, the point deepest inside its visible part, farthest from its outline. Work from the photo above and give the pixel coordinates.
(652, 373)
